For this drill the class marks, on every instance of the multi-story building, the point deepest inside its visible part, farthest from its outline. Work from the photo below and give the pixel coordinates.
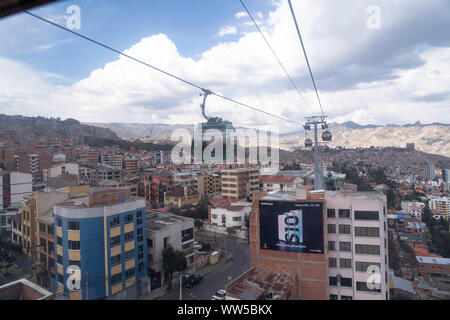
(357, 245)
(14, 186)
(446, 175)
(280, 183)
(88, 175)
(429, 171)
(229, 214)
(441, 205)
(112, 160)
(90, 155)
(163, 230)
(240, 183)
(181, 196)
(106, 173)
(103, 237)
(130, 164)
(60, 170)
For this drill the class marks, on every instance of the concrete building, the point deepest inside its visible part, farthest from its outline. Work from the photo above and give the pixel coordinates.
(59, 158)
(181, 196)
(240, 183)
(434, 268)
(413, 208)
(24, 289)
(130, 164)
(230, 214)
(441, 206)
(106, 173)
(112, 160)
(357, 245)
(103, 236)
(446, 175)
(280, 183)
(61, 170)
(14, 186)
(429, 171)
(164, 229)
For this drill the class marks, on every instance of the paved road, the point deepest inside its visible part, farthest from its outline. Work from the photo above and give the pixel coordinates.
(217, 279)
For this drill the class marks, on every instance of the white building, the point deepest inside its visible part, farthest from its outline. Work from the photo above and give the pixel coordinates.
(280, 183)
(164, 229)
(413, 208)
(59, 158)
(357, 245)
(230, 215)
(442, 205)
(61, 169)
(14, 186)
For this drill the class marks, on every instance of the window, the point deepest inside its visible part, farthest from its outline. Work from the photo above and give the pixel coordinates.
(75, 263)
(344, 229)
(129, 218)
(345, 246)
(114, 241)
(115, 279)
(60, 278)
(150, 243)
(237, 218)
(331, 213)
(331, 228)
(74, 225)
(41, 227)
(139, 218)
(214, 216)
(346, 282)
(331, 245)
(362, 266)
(129, 236)
(332, 262)
(50, 230)
(332, 281)
(74, 245)
(345, 263)
(129, 255)
(333, 297)
(58, 222)
(115, 260)
(367, 249)
(166, 242)
(224, 219)
(59, 259)
(187, 234)
(367, 232)
(346, 298)
(129, 273)
(59, 241)
(44, 244)
(140, 235)
(141, 267)
(362, 286)
(140, 252)
(344, 213)
(114, 222)
(366, 215)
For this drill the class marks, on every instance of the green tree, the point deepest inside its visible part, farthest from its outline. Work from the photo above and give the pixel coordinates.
(444, 246)
(173, 261)
(198, 224)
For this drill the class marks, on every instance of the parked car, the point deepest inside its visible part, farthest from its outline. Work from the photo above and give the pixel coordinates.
(197, 246)
(219, 295)
(192, 280)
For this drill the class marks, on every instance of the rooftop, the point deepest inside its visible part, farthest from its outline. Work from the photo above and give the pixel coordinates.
(433, 260)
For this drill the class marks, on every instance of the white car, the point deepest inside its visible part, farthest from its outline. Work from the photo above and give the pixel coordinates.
(219, 295)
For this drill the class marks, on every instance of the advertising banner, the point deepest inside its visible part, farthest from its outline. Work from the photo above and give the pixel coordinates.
(291, 226)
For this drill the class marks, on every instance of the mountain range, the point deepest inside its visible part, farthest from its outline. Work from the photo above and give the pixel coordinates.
(431, 138)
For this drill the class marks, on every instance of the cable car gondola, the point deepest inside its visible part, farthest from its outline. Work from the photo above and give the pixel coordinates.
(326, 136)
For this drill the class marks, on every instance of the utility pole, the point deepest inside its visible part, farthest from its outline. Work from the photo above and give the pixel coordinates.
(181, 286)
(314, 122)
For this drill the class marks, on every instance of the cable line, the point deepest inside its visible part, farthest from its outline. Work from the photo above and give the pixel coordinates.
(306, 56)
(153, 67)
(275, 55)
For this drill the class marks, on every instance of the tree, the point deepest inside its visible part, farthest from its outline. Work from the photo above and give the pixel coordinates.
(231, 231)
(198, 224)
(173, 261)
(5, 261)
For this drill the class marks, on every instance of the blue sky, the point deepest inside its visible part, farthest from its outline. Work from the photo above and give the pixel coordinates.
(119, 24)
(397, 73)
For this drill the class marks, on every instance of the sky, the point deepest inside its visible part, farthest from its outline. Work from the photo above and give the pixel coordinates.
(374, 62)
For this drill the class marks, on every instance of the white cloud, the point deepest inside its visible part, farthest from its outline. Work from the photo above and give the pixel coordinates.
(363, 75)
(227, 30)
(240, 14)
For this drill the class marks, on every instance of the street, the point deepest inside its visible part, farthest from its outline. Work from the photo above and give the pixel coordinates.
(218, 278)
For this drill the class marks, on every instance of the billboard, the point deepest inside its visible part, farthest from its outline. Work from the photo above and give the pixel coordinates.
(291, 226)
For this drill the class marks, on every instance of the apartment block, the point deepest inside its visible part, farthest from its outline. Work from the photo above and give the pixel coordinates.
(441, 205)
(239, 183)
(357, 245)
(14, 186)
(103, 237)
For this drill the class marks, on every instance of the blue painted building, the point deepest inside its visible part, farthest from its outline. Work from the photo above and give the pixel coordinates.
(100, 246)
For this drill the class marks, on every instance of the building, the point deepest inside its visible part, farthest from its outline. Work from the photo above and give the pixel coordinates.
(440, 206)
(280, 183)
(446, 175)
(88, 175)
(61, 170)
(164, 229)
(413, 208)
(181, 196)
(240, 183)
(24, 289)
(106, 173)
(357, 245)
(112, 160)
(434, 268)
(59, 158)
(230, 214)
(14, 186)
(103, 236)
(130, 164)
(429, 171)
(91, 155)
